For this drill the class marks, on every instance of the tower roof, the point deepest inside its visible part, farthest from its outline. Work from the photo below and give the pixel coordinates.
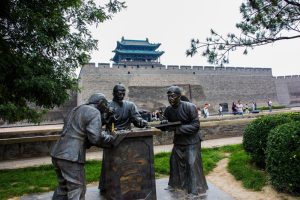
(136, 50)
(131, 44)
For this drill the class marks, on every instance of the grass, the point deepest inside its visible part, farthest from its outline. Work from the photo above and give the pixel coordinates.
(241, 168)
(273, 107)
(29, 180)
(17, 182)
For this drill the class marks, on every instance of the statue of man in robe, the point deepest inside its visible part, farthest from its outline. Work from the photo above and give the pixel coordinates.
(186, 171)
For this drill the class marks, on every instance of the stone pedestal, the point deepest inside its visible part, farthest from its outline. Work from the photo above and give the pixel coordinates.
(128, 169)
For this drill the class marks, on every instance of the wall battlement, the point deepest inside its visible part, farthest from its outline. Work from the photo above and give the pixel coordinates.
(183, 69)
(288, 77)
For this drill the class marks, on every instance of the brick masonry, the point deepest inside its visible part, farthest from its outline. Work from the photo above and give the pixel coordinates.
(146, 85)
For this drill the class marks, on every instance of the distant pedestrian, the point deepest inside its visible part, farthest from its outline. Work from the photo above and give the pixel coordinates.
(253, 107)
(205, 110)
(239, 107)
(233, 108)
(220, 110)
(270, 105)
(246, 108)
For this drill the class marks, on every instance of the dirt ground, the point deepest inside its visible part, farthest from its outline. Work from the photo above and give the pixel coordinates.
(226, 182)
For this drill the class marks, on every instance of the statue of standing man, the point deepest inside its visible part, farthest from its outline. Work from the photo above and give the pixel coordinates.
(186, 171)
(82, 129)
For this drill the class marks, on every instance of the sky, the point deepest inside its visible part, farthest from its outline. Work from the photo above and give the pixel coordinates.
(173, 23)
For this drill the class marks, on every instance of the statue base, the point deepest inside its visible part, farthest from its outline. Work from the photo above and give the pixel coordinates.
(128, 168)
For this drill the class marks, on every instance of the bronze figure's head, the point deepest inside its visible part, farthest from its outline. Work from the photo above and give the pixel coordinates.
(174, 94)
(119, 93)
(100, 101)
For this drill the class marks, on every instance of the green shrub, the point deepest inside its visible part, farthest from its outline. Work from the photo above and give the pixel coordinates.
(256, 134)
(283, 157)
(273, 107)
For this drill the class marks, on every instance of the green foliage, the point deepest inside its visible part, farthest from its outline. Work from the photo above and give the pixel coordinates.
(273, 107)
(92, 169)
(162, 163)
(231, 148)
(210, 157)
(283, 157)
(29, 180)
(240, 167)
(263, 22)
(256, 134)
(42, 43)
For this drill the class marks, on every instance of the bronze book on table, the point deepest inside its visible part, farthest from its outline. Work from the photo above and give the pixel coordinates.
(164, 127)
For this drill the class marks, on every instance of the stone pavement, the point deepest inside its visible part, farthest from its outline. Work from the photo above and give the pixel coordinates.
(213, 193)
(28, 162)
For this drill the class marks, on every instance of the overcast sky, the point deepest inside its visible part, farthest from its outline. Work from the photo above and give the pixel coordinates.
(173, 23)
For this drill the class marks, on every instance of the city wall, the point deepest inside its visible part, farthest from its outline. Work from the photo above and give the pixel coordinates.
(146, 84)
(288, 89)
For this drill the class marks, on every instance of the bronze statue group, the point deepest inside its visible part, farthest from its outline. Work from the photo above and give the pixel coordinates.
(83, 129)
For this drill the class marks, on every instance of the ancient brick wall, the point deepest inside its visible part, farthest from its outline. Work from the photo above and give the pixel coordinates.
(288, 90)
(146, 85)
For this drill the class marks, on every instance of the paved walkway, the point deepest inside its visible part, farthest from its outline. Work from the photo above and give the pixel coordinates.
(21, 163)
(213, 193)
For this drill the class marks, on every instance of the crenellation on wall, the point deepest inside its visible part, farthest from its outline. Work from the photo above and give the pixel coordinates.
(169, 67)
(197, 67)
(117, 65)
(240, 68)
(220, 68)
(185, 67)
(230, 68)
(103, 63)
(210, 68)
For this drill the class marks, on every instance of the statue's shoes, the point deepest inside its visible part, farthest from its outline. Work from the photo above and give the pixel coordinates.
(170, 188)
(196, 196)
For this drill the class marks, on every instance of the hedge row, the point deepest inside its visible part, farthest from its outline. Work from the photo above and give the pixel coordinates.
(270, 141)
(283, 157)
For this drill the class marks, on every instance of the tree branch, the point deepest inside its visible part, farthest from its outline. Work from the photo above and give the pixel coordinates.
(292, 3)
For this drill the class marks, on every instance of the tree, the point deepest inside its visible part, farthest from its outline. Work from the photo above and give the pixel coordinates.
(42, 43)
(264, 22)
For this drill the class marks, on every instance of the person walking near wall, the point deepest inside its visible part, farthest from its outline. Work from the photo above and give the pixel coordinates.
(246, 108)
(233, 108)
(239, 108)
(270, 105)
(205, 110)
(220, 110)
